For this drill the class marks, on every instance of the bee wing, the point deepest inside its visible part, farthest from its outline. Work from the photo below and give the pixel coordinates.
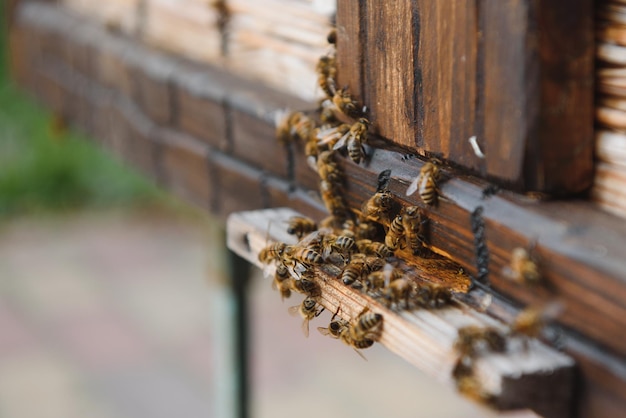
(324, 331)
(342, 141)
(294, 310)
(359, 353)
(305, 327)
(413, 186)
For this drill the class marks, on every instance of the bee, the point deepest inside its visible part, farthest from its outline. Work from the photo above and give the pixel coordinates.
(467, 383)
(272, 252)
(359, 266)
(367, 326)
(344, 245)
(301, 226)
(472, 339)
(286, 125)
(398, 290)
(433, 295)
(426, 184)
(336, 327)
(282, 281)
(524, 268)
(327, 115)
(332, 200)
(353, 140)
(330, 136)
(369, 247)
(344, 102)
(367, 230)
(306, 286)
(326, 73)
(395, 234)
(530, 321)
(308, 309)
(328, 169)
(414, 225)
(381, 279)
(302, 255)
(332, 36)
(304, 129)
(377, 207)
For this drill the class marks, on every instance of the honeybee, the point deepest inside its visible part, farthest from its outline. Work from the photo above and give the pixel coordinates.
(308, 309)
(272, 252)
(426, 184)
(332, 36)
(306, 286)
(414, 224)
(367, 326)
(332, 200)
(359, 266)
(399, 290)
(328, 169)
(300, 226)
(326, 73)
(531, 320)
(524, 268)
(467, 383)
(305, 256)
(472, 339)
(327, 115)
(344, 102)
(367, 230)
(286, 125)
(377, 207)
(353, 140)
(381, 279)
(282, 280)
(330, 136)
(369, 247)
(433, 295)
(340, 243)
(395, 234)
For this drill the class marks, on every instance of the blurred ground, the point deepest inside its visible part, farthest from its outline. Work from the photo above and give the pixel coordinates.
(113, 316)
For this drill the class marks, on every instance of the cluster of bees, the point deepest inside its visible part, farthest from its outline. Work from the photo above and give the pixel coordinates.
(363, 243)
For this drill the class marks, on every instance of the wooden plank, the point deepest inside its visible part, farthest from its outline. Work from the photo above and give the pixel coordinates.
(425, 338)
(350, 38)
(514, 74)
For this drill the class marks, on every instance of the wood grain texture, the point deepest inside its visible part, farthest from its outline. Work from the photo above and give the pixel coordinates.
(538, 378)
(516, 74)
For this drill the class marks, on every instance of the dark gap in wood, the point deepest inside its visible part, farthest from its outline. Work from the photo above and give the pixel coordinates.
(228, 142)
(172, 91)
(480, 245)
(364, 64)
(418, 99)
(214, 184)
(290, 161)
(533, 166)
(479, 117)
(266, 198)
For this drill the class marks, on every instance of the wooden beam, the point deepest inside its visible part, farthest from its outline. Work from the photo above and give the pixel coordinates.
(425, 337)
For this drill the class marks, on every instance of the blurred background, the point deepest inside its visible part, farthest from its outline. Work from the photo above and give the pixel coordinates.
(114, 301)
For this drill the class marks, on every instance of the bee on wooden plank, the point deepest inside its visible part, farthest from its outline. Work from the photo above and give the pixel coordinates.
(394, 238)
(332, 36)
(301, 226)
(531, 321)
(295, 254)
(286, 125)
(426, 183)
(326, 70)
(281, 281)
(369, 247)
(333, 201)
(353, 140)
(344, 102)
(272, 252)
(414, 224)
(359, 334)
(308, 310)
(378, 207)
(524, 267)
(472, 340)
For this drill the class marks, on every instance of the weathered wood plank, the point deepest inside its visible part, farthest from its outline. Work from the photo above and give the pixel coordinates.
(425, 338)
(515, 74)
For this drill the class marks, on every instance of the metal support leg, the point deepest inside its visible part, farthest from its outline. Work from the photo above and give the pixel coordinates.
(239, 271)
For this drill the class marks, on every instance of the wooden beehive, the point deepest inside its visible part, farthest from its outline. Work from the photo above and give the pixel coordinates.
(520, 82)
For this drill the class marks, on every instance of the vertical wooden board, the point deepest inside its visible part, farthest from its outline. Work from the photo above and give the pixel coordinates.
(201, 117)
(565, 137)
(509, 89)
(464, 35)
(350, 38)
(390, 78)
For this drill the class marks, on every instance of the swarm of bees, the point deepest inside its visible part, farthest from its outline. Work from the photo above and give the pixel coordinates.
(362, 243)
